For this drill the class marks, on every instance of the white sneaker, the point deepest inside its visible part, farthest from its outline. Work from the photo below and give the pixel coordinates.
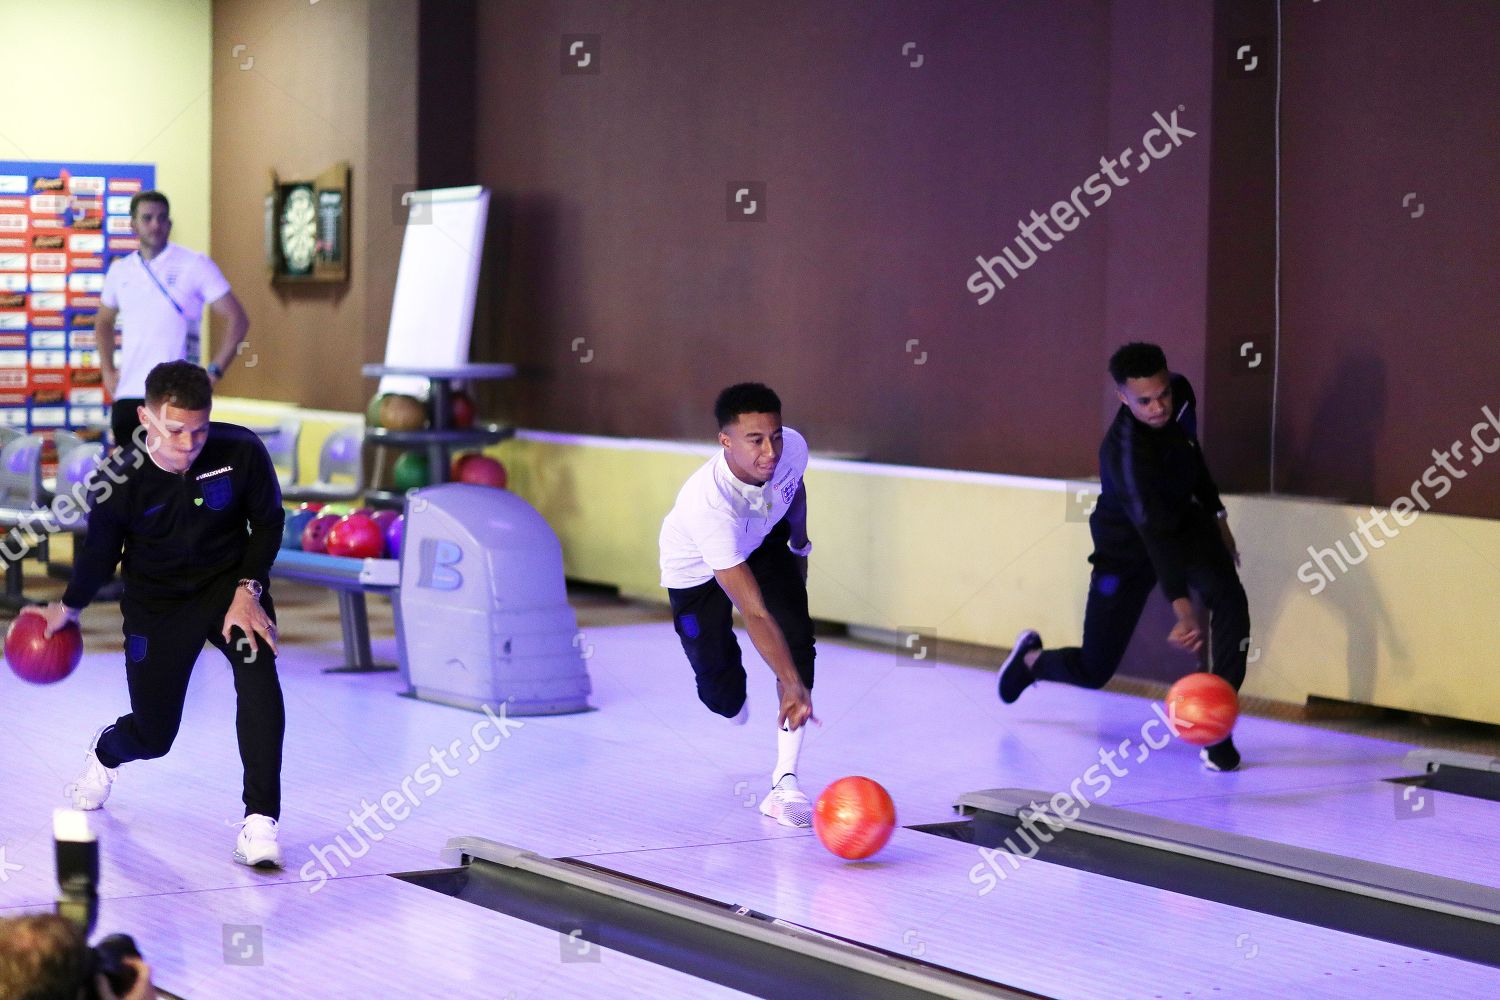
(788, 806)
(91, 789)
(257, 845)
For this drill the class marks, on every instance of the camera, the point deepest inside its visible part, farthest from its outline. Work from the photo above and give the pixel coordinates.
(78, 898)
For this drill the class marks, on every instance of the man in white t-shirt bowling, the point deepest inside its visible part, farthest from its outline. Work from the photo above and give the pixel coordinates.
(737, 538)
(160, 292)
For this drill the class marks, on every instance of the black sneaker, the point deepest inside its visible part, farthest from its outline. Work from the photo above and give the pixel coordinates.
(1221, 756)
(1015, 675)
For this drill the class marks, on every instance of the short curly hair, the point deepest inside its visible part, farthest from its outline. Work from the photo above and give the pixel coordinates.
(1136, 360)
(745, 397)
(181, 384)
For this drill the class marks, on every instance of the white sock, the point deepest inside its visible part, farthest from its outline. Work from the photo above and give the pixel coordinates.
(788, 748)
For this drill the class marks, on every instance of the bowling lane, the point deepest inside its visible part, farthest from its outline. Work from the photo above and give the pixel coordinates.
(374, 937)
(1439, 833)
(1060, 932)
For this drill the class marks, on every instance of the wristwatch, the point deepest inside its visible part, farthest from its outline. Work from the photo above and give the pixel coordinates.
(253, 586)
(216, 370)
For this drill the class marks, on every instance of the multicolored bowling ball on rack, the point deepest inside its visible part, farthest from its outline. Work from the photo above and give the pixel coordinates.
(395, 533)
(410, 471)
(296, 523)
(460, 410)
(315, 535)
(480, 470)
(402, 413)
(355, 536)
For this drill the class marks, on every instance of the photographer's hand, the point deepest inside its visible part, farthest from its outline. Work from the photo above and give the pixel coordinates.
(141, 990)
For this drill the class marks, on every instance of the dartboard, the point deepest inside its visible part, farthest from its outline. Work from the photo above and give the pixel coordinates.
(299, 230)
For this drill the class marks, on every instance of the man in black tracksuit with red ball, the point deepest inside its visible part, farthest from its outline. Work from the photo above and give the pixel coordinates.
(1159, 520)
(196, 514)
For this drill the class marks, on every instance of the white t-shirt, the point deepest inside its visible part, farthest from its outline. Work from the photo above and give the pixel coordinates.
(152, 329)
(718, 521)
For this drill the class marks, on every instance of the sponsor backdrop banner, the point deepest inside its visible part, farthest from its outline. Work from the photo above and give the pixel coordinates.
(61, 224)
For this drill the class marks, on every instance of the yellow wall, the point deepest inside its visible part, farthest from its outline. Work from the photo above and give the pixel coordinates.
(976, 558)
(114, 82)
(979, 557)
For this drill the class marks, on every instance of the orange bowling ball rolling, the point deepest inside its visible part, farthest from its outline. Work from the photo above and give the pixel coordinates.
(38, 659)
(1203, 708)
(854, 817)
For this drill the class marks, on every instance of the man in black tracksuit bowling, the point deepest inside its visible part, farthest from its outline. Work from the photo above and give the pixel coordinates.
(196, 514)
(1159, 520)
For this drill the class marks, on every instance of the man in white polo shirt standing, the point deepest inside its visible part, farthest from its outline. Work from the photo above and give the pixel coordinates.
(737, 538)
(158, 293)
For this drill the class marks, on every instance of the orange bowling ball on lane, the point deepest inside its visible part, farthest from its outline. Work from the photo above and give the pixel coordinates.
(854, 817)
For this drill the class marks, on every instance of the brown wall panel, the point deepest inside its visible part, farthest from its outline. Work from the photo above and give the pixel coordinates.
(1391, 191)
(884, 180)
(328, 82)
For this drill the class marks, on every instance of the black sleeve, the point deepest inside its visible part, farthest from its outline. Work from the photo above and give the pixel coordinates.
(263, 513)
(1158, 524)
(1185, 401)
(1204, 487)
(95, 558)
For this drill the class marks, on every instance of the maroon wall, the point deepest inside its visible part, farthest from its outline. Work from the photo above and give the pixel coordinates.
(883, 181)
(620, 285)
(1390, 323)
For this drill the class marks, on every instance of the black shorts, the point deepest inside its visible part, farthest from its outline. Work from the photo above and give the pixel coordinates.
(703, 617)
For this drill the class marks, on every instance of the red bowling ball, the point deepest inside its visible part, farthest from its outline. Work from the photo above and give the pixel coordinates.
(854, 817)
(1203, 708)
(37, 659)
(356, 536)
(315, 535)
(460, 410)
(480, 470)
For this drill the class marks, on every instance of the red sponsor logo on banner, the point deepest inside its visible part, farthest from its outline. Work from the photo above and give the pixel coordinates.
(49, 262)
(86, 263)
(124, 185)
(12, 340)
(46, 379)
(84, 302)
(12, 243)
(123, 244)
(13, 379)
(15, 204)
(46, 321)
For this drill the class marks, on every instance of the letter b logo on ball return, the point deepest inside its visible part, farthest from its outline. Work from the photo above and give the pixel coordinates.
(437, 561)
